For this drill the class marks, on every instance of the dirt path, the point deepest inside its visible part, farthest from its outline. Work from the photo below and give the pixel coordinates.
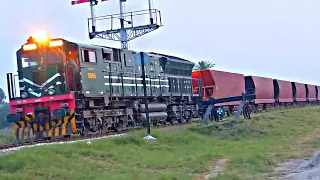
(213, 171)
(314, 135)
(175, 128)
(299, 169)
(304, 169)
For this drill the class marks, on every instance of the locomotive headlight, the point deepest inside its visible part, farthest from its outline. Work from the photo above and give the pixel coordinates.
(51, 91)
(41, 37)
(64, 105)
(24, 95)
(19, 110)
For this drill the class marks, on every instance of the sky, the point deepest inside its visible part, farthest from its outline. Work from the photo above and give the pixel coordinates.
(271, 38)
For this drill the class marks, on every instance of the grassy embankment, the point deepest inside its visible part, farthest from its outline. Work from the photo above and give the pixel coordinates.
(252, 148)
(7, 138)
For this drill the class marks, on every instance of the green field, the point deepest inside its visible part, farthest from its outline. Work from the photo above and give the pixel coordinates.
(7, 138)
(249, 149)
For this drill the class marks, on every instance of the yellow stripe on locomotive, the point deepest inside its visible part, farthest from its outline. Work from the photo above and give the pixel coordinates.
(63, 123)
(66, 123)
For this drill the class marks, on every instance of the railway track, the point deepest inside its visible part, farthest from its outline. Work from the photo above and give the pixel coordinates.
(75, 138)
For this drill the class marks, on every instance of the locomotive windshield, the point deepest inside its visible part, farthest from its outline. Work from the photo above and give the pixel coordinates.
(41, 58)
(41, 71)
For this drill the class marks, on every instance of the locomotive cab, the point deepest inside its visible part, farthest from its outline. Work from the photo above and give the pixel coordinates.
(48, 73)
(48, 67)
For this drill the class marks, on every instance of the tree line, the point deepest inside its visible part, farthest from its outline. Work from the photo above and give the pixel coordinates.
(4, 110)
(202, 65)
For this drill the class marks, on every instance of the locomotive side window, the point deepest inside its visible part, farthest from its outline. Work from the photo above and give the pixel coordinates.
(89, 56)
(106, 56)
(116, 55)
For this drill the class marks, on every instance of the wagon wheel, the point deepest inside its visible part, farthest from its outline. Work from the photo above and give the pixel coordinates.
(246, 112)
(228, 113)
(190, 115)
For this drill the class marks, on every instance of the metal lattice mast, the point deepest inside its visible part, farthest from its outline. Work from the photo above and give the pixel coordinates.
(126, 31)
(123, 32)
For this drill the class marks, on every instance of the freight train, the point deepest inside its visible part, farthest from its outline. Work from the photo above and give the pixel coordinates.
(70, 88)
(270, 93)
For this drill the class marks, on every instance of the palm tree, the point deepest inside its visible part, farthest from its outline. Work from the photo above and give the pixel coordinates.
(202, 65)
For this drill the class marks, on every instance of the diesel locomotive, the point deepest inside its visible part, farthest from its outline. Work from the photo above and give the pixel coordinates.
(70, 88)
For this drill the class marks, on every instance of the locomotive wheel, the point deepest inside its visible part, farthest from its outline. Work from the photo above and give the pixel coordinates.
(182, 120)
(84, 131)
(104, 128)
(154, 123)
(172, 120)
(164, 123)
(120, 126)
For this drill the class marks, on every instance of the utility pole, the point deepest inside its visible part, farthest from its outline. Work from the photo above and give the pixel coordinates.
(142, 57)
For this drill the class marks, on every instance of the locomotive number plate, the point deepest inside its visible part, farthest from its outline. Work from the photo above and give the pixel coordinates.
(92, 75)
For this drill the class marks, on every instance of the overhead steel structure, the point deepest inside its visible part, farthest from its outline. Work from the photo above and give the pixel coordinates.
(129, 28)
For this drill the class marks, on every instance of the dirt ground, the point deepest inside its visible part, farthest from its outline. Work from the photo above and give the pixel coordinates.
(300, 169)
(214, 170)
(175, 128)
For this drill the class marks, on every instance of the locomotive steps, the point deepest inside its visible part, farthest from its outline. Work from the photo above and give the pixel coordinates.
(250, 149)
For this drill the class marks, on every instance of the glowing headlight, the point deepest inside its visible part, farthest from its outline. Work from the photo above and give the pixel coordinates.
(51, 91)
(24, 95)
(41, 36)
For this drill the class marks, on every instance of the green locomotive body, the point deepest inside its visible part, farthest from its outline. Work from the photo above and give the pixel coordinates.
(112, 83)
(68, 88)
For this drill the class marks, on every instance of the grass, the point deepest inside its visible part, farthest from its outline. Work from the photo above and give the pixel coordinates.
(7, 138)
(253, 148)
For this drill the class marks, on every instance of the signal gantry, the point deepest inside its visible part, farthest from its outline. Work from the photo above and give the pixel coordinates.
(128, 29)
